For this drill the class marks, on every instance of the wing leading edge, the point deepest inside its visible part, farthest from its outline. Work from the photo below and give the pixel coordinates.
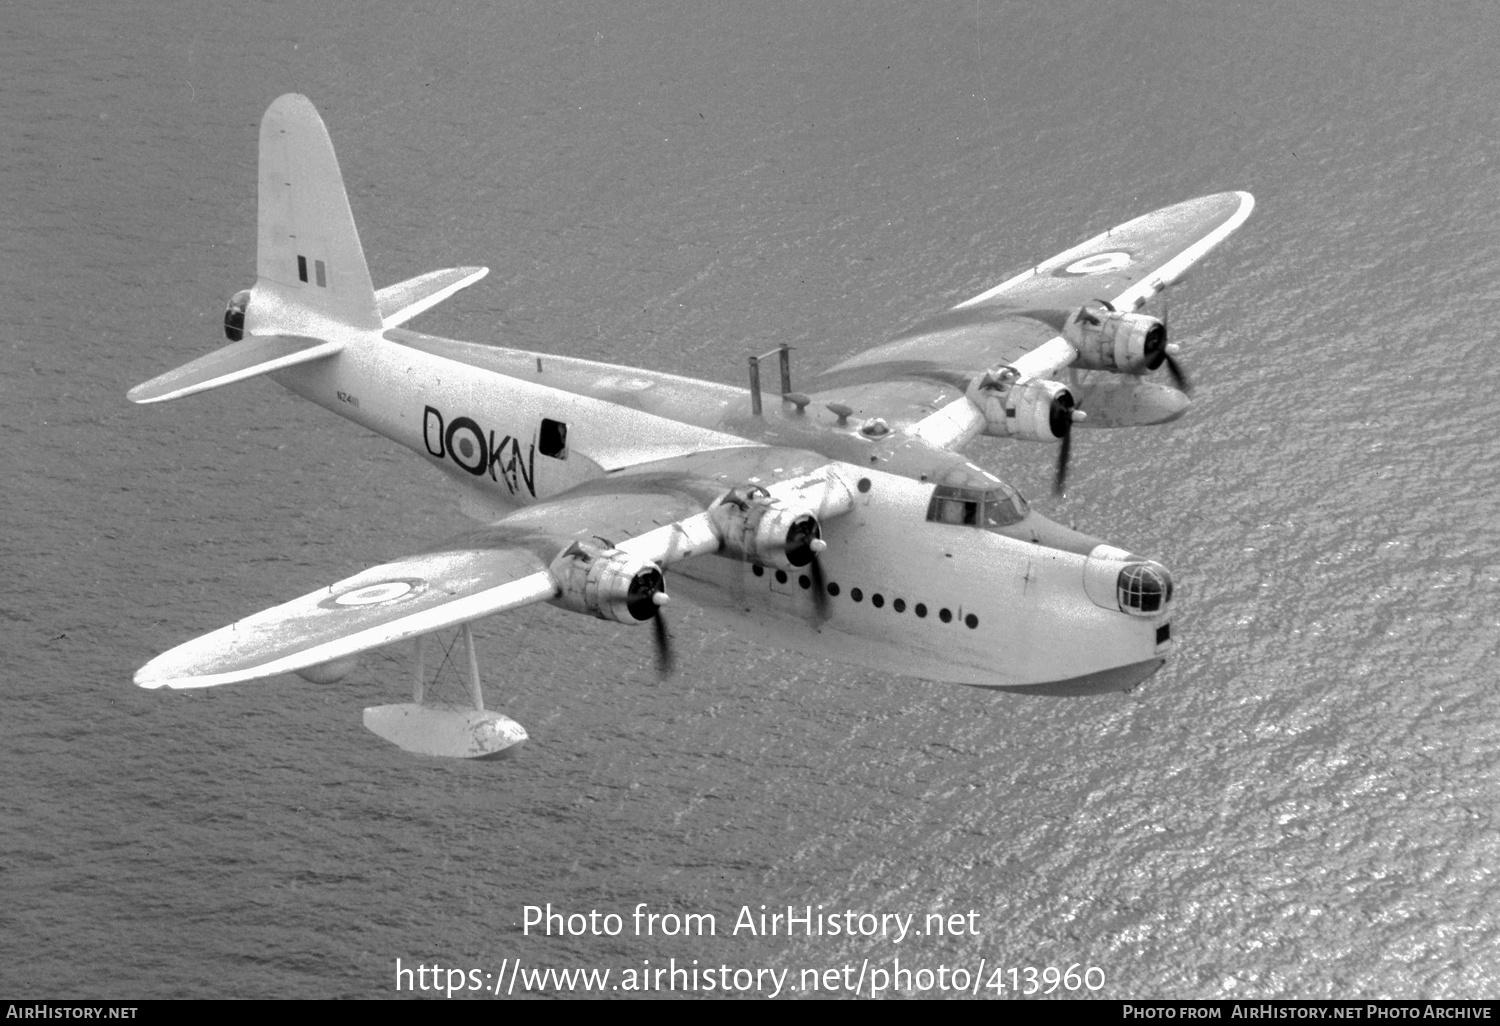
(1130, 262)
(1026, 314)
(563, 550)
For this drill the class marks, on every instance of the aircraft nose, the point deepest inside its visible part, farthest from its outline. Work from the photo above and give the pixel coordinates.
(1116, 579)
(1144, 588)
(1039, 530)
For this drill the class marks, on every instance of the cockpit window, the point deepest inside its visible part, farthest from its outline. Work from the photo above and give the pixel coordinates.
(973, 507)
(1004, 506)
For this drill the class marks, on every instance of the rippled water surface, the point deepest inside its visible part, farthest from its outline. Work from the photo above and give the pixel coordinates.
(1301, 804)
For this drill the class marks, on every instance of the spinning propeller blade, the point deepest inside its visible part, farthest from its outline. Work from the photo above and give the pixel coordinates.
(819, 588)
(665, 665)
(804, 543)
(1180, 379)
(1060, 479)
(1064, 413)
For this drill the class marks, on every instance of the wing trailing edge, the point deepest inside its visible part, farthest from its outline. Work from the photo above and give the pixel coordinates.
(251, 356)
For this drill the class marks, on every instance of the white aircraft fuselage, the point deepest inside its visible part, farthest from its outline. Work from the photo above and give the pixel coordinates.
(1028, 605)
(843, 522)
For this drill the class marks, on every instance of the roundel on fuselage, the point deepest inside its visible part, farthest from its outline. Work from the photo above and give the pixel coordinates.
(465, 444)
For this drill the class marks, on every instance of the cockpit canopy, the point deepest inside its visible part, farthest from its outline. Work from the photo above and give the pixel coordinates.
(996, 506)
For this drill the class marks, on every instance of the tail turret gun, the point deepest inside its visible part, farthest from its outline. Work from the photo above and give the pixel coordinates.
(234, 315)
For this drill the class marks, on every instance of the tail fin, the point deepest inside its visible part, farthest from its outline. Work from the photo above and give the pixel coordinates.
(310, 264)
(312, 283)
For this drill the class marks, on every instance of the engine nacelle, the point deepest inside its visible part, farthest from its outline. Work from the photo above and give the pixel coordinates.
(1039, 410)
(234, 315)
(768, 531)
(609, 584)
(1127, 343)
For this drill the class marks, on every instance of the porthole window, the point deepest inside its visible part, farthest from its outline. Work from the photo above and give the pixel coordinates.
(758, 570)
(856, 594)
(804, 582)
(781, 577)
(833, 589)
(921, 611)
(945, 615)
(899, 605)
(877, 600)
(972, 621)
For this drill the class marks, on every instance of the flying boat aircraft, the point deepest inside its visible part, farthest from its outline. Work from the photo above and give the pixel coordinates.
(842, 521)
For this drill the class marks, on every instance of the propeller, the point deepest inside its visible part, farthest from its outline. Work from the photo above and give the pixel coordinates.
(1165, 349)
(803, 544)
(819, 585)
(1060, 419)
(1060, 479)
(646, 598)
(665, 664)
(1159, 347)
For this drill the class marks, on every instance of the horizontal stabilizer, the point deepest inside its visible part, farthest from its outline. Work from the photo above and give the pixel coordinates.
(401, 302)
(246, 358)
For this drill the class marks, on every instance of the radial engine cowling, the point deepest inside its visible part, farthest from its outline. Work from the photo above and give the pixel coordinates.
(768, 531)
(234, 315)
(1128, 343)
(609, 584)
(1039, 410)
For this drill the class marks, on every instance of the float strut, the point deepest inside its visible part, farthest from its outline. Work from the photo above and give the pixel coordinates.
(417, 683)
(475, 692)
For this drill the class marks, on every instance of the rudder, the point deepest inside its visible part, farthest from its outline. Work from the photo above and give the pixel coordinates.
(310, 265)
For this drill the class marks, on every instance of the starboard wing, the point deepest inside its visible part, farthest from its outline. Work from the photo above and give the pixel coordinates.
(657, 512)
(1126, 264)
(1024, 315)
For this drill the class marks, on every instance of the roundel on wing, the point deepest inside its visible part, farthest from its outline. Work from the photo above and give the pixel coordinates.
(1098, 263)
(379, 593)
